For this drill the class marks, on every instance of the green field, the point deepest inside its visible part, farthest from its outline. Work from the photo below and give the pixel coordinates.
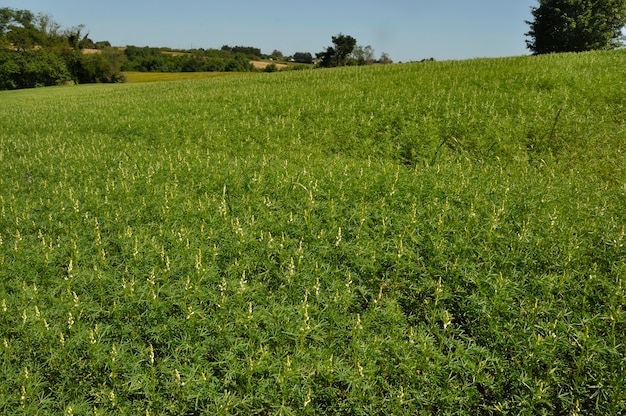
(427, 238)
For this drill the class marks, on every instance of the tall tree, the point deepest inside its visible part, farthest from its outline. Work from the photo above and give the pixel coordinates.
(76, 39)
(576, 25)
(364, 55)
(50, 31)
(337, 55)
(17, 29)
(385, 59)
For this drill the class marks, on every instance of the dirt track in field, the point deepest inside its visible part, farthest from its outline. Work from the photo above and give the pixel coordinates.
(263, 65)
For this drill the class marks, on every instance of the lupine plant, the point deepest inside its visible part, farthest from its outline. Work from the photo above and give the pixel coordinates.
(428, 238)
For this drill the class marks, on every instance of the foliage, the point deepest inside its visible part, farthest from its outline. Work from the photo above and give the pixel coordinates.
(576, 25)
(385, 59)
(148, 59)
(239, 63)
(347, 52)
(429, 238)
(363, 55)
(337, 55)
(88, 68)
(18, 29)
(27, 69)
(303, 57)
(249, 51)
(76, 40)
(36, 52)
(271, 68)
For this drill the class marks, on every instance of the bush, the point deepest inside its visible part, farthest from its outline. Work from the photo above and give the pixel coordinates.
(95, 68)
(271, 68)
(216, 65)
(239, 63)
(28, 69)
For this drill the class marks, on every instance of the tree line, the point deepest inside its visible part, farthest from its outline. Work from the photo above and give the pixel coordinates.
(37, 51)
(149, 59)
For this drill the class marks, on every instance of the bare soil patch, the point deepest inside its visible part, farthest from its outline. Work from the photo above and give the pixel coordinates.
(263, 65)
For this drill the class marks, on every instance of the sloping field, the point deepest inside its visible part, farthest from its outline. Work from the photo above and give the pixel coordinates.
(434, 238)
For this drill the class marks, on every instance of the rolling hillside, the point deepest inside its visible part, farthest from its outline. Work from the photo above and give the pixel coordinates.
(427, 238)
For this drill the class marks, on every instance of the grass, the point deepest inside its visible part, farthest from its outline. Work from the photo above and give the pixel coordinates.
(408, 239)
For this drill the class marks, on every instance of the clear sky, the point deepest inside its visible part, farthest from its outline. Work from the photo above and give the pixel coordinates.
(405, 29)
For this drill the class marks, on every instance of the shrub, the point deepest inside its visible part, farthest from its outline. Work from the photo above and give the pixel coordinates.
(28, 69)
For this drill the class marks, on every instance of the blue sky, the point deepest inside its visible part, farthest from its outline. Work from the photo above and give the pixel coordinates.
(405, 29)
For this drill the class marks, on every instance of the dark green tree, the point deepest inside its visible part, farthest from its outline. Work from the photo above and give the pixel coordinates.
(18, 29)
(28, 69)
(337, 55)
(50, 31)
(303, 57)
(239, 63)
(576, 25)
(34, 51)
(76, 39)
